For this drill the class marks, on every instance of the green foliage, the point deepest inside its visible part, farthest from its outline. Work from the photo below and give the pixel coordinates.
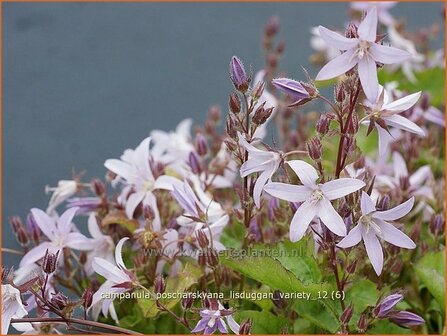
(263, 322)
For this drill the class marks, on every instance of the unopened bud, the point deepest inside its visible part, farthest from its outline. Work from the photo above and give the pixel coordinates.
(238, 75)
(351, 31)
(202, 239)
(231, 127)
(22, 237)
(33, 228)
(278, 300)
(213, 258)
(314, 148)
(59, 300)
(245, 328)
(272, 26)
(98, 187)
(159, 285)
(406, 319)
(437, 224)
(214, 113)
(87, 298)
(201, 145)
(187, 302)
(322, 125)
(16, 223)
(280, 47)
(258, 90)
(234, 103)
(345, 317)
(362, 324)
(49, 262)
(339, 92)
(384, 203)
(7, 274)
(194, 163)
(387, 305)
(351, 268)
(148, 213)
(82, 257)
(262, 114)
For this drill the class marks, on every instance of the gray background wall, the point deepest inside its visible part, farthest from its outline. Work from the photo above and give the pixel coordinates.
(84, 81)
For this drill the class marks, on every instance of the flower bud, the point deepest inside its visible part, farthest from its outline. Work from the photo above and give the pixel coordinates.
(387, 305)
(345, 317)
(245, 327)
(262, 114)
(384, 203)
(16, 223)
(362, 324)
(201, 258)
(272, 26)
(234, 103)
(280, 47)
(231, 127)
(98, 187)
(22, 237)
(33, 228)
(7, 274)
(148, 213)
(194, 163)
(159, 285)
(278, 300)
(322, 125)
(59, 300)
(238, 75)
(351, 268)
(351, 31)
(87, 298)
(339, 92)
(213, 258)
(424, 102)
(187, 302)
(202, 239)
(258, 90)
(82, 257)
(437, 224)
(291, 88)
(406, 319)
(201, 145)
(49, 262)
(314, 148)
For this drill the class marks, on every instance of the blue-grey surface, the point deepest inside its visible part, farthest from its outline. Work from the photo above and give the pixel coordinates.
(82, 82)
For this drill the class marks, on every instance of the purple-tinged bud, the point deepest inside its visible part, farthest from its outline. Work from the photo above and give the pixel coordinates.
(148, 213)
(83, 257)
(87, 298)
(22, 237)
(272, 208)
(7, 274)
(231, 127)
(351, 31)
(16, 223)
(187, 302)
(384, 203)
(272, 26)
(85, 204)
(201, 258)
(351, 268)
(234, 103)
(49, 262)
(406, 319)
(362, 324)
(213, 258)
(59, 300)
(98, 187)
(278, 300)
(281, 47)
(437, 225)
(201, 145)
(387, 305)
(214, 113)
(258, 90)
(424, 102)
(245, 327)
(353, 125)
(345, 317)
(404, 182)
(262, 114)
(322, 125)
(238, 75)
(194, 163)
(254, 230)
(314, 148)
(291, 88)
(33, 228)
(339, 92)
(202, 239)
(159, 285)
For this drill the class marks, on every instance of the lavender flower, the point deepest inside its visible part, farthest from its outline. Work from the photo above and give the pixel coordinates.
(315, 197)
(60, 234)
(84, 204)
(387, 305)
(291, 88)
(363, 52)
(64, 190)
(213, 320)
(406, 319)
(373, 225)
(118, 280)
(12, 306)
(384, 113)
(259, 161)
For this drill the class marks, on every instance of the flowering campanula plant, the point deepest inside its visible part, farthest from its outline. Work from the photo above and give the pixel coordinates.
(308, 214)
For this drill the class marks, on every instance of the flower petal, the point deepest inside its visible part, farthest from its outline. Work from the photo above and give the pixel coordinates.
(330, 218)
(120, 168)
(118, 253)
(420, 176)
(93, 227)
(402, 104)
(234, 326)
(388, 55)
(46, 223)
(366, 204)
(399, 166)
(394, 236)
(368, 27)
(374, 250)
(259, 186)
(64, 221)
(78, 241)
(396, 212)
(341, 187)
(36, 253)
(307, 174)
(301, 220)
(133, 201)
(166, 182)
(404, 124)
(109, 271)
(353, 238)
(384, 141)
(336, 40)
(287, 192)
(368, 78)
(338, 66)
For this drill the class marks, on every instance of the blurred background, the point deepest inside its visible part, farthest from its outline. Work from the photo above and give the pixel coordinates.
(84, 81)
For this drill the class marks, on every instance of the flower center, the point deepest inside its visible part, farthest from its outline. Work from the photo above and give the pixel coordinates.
(316, 196)
(148, 185)
(369, 224)
(362, 49)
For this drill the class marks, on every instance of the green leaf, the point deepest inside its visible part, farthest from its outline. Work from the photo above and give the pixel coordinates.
(363, 293)
(271, 272)
(385, 327)
(431, 272)
(185, 279)
(263, 322)
(318, 313)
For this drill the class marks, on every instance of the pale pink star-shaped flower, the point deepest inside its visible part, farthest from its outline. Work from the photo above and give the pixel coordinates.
(362, 51)
(259, 161)
(316, 198)
(384, 111)
(373, 225)
(12, 306)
